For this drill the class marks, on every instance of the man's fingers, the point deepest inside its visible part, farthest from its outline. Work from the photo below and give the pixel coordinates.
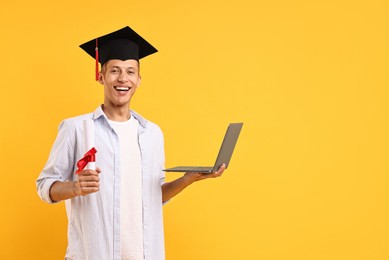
(91, 178)
(89, 181)
(89, 190)
(88, 187)
(220, 171)
(90, 172)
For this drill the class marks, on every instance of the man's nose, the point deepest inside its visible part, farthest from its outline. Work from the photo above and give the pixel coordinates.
(123, 77)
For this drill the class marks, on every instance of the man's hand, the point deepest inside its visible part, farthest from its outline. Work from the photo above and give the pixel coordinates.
(171, 189)
(88, 182)
(196, 176)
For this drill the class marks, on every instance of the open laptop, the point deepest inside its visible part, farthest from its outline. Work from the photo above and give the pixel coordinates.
(224, 156)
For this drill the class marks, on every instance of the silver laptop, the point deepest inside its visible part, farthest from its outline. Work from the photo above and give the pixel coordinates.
(224, 156)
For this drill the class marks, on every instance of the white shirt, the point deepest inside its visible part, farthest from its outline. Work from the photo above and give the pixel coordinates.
(94, 220)
(131, 233)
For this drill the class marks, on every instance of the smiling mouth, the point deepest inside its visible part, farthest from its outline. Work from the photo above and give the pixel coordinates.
(122, 88)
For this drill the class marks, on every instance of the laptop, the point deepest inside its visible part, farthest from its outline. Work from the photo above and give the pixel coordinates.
(224, 156)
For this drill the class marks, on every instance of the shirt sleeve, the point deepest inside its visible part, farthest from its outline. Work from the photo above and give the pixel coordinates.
(60, 165)
(162, 163)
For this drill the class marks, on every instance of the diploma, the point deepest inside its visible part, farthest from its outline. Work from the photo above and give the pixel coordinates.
(88, 161)
(89, 140)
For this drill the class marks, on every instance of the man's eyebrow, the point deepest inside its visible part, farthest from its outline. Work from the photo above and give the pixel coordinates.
(118, 67)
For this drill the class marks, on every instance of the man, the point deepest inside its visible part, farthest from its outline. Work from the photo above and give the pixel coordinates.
(114, 211)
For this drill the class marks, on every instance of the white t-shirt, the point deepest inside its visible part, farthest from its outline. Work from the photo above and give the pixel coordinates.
(131, 221)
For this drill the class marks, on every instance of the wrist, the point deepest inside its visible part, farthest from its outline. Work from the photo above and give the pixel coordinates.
(187, 179)
(76, 189)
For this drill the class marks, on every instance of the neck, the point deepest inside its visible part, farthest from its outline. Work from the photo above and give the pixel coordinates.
(117, 114)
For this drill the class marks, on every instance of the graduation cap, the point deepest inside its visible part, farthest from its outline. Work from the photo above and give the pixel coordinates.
(123, 44)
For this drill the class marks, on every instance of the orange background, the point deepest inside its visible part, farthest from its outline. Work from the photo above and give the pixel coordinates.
(309, 176)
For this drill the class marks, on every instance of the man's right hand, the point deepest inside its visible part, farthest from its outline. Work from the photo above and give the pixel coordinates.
(88, 182)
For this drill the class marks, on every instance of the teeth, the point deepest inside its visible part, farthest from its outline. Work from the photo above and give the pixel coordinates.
(122, 88)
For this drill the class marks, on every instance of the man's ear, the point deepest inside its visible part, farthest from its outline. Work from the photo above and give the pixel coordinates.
(140, 79)
(101, 78)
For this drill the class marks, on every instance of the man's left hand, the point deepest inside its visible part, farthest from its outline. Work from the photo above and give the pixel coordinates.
(196, 176)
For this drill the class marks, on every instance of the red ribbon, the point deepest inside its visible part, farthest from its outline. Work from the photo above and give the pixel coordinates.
(97, 60)
(88, 157)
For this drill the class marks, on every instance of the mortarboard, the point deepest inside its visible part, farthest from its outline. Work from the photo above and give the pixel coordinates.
(123, 44)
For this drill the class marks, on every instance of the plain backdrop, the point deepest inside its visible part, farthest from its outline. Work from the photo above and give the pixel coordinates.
(309, 79)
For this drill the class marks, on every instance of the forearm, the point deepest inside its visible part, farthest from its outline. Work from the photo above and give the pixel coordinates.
(171, 189)
(88, 181)
(63, 190)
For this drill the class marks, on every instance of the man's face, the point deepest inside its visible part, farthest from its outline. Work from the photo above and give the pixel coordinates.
(120, 80)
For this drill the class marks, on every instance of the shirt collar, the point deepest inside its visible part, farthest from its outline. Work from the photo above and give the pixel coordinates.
(99, 112)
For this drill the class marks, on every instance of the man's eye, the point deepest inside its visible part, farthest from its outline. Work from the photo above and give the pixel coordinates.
(114, 71)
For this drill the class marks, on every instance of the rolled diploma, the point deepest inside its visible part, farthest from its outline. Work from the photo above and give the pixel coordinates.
(89, 138)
